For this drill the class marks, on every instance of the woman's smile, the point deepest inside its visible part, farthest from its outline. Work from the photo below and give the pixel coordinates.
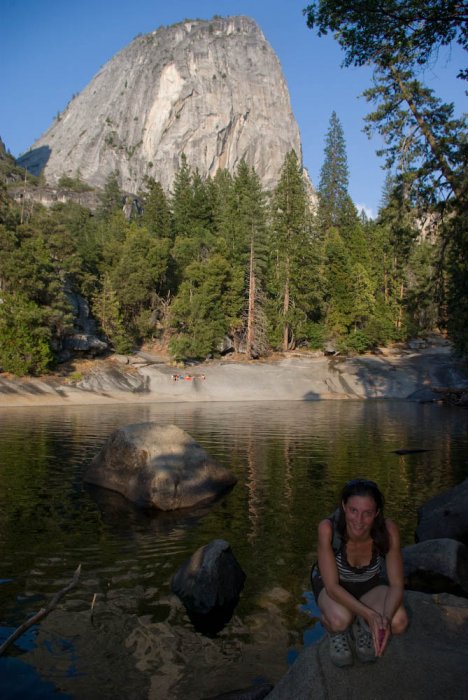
(360, 513)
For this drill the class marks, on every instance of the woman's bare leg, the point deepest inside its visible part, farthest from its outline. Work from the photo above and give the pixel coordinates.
(335, 617)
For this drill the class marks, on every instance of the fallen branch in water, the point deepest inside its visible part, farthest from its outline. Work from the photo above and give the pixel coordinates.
(42, 612)
(92, 606)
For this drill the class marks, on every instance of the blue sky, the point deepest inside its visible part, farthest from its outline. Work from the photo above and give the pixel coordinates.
(51, 49)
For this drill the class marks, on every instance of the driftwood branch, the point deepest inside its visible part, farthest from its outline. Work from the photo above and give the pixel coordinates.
(42, 612)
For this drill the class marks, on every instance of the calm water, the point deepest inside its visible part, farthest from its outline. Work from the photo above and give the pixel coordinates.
(291, 460)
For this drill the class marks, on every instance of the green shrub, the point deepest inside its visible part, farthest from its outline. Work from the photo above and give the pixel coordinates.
(24, 337)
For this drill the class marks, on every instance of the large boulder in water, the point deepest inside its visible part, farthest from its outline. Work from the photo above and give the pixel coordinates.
(158, 466)
(445, 515)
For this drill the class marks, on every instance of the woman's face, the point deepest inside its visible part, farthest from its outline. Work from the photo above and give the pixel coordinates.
(360, 513)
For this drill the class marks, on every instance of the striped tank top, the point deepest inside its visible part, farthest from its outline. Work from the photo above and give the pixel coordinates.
(354, 574)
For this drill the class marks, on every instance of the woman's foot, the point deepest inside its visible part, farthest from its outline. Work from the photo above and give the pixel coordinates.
(363, 640)
(340, 651)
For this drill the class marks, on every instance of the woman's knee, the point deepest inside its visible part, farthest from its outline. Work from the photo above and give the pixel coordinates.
(399, 621)
(336, 619)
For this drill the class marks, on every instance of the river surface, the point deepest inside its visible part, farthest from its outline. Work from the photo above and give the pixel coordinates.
(121, 633)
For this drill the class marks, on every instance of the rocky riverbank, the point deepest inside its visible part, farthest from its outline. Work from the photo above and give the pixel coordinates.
(429, 374)
(428, 661)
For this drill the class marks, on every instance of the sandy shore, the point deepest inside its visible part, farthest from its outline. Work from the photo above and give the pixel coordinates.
(145, 379)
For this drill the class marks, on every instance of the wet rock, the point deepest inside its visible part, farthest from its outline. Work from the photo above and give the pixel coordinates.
(209, 585)
(435, 566)
(445, 515)
(158, 466)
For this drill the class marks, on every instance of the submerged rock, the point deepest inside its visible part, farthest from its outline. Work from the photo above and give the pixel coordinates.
(209, 585)
(158, 466)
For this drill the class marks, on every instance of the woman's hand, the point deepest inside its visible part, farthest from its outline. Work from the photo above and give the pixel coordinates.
(382, 637)
(379, 627)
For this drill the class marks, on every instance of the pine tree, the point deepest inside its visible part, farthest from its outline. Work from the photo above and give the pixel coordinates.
(106, 309)
(25, 335)
(207, 306)
(193, 221)
(156, 211)
(424, 140)
(222, 197)
(294, 262)
(182, 199)
(398, 222)
(338, 293)
(335, 206)
(250, 234)
(139, 277)
(111, 199)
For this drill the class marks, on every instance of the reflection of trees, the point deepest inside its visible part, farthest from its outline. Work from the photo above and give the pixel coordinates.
(288, 473)
(252, 484)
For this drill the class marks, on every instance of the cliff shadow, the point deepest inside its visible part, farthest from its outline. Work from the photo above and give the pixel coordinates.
(311, 396)
(35, 160)
(410, 373)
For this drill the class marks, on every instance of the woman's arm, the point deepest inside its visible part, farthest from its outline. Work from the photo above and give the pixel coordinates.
(394, 564)
(394, 591)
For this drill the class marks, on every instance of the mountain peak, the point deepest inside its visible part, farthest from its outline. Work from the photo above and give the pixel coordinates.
(212, 89)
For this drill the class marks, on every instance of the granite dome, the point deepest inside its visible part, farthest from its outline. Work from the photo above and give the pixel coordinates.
(213, 90)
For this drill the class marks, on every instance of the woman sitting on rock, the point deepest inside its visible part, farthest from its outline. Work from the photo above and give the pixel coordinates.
(358, 579)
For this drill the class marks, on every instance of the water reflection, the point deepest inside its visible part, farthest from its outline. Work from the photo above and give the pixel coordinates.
(291, 460)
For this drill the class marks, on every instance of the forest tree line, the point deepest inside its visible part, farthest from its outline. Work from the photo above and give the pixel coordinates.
(219, 258)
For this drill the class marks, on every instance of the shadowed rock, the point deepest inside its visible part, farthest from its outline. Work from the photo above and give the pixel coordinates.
(445, 515)
(158, 466)
(209, 585)
(437, 565)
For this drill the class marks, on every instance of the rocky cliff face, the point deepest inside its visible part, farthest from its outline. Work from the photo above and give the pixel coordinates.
(213, 90)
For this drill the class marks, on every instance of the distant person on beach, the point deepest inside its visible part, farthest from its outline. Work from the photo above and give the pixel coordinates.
(358, 578)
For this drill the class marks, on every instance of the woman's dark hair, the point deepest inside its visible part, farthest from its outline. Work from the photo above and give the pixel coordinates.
(365, 487)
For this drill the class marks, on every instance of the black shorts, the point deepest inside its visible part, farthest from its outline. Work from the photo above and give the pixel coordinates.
(356, 589)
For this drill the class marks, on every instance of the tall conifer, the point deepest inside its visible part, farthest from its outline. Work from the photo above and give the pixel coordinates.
(335, 206)
(294, 256)
(250, 233)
